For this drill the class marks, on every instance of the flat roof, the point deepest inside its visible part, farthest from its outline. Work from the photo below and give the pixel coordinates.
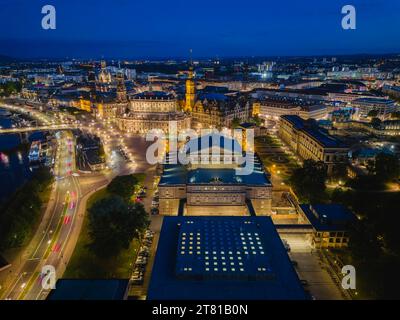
(77, 289)
(231, 258)
(328, 217)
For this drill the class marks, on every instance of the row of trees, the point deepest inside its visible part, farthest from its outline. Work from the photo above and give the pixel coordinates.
(9, 88)
(20, 214)
(116, 220)
(309, 180)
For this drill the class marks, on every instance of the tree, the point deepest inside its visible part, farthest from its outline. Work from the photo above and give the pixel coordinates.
(376, 123)
(257, 120)
(235, 122)
(373, 114)
(123, 186)
(309, 181)
(113, 224)
(386, 167)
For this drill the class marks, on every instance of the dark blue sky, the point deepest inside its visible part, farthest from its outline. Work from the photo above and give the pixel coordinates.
(168, 28)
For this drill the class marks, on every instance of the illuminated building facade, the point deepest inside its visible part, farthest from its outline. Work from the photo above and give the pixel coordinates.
(384, 107)
(330, 224)
(190, 96)
(151, 110)
(312, 143)
(215, 110)
(210, 182)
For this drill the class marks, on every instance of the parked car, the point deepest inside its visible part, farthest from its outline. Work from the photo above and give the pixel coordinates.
(304, 283)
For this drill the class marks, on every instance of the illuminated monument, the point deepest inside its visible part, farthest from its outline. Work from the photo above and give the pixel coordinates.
(190, 89)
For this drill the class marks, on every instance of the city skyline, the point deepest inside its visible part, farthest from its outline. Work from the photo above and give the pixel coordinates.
(96, 29)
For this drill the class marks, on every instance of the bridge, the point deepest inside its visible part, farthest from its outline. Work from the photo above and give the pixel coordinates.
(55, 127)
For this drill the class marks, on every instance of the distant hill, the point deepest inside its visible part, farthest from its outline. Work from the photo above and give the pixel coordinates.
(6, 59)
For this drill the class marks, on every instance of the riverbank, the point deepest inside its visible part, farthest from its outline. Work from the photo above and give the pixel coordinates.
(20, 215)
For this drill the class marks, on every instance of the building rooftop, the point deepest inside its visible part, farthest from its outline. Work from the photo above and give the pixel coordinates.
(325, 139)
(373, 100)
(297, 122)
(217, 258)
(213, 96)
(76, 289)
(153, 95)
(207, 143)
(328, 217)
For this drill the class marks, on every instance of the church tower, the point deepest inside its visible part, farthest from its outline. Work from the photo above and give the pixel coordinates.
(190, 88)
(121, 89)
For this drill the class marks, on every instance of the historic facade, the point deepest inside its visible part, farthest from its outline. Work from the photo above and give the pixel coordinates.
(151, 110)
(212, 186)
(311, 143)
(215, 110)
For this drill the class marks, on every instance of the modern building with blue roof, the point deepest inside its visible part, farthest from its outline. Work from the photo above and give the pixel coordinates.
(214, 180)
(384, 107)
(222, 258)
(88, 289)
(330, 222)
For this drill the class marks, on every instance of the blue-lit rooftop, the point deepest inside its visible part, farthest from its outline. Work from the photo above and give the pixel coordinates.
(221, 258)
(328, 217)
(226, 249)
(177, 174)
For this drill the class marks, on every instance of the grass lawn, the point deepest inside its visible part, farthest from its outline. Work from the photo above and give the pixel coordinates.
(84, 264)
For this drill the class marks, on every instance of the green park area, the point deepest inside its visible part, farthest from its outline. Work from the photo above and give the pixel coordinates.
(9, 88)
(20, 215)
(109, 239)
(273, 156)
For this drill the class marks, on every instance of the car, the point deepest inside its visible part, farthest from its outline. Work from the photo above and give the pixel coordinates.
(304, 283)
(143, 254)
(137, 281)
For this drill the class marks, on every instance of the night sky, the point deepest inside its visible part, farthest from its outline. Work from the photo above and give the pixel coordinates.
(223, 28)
